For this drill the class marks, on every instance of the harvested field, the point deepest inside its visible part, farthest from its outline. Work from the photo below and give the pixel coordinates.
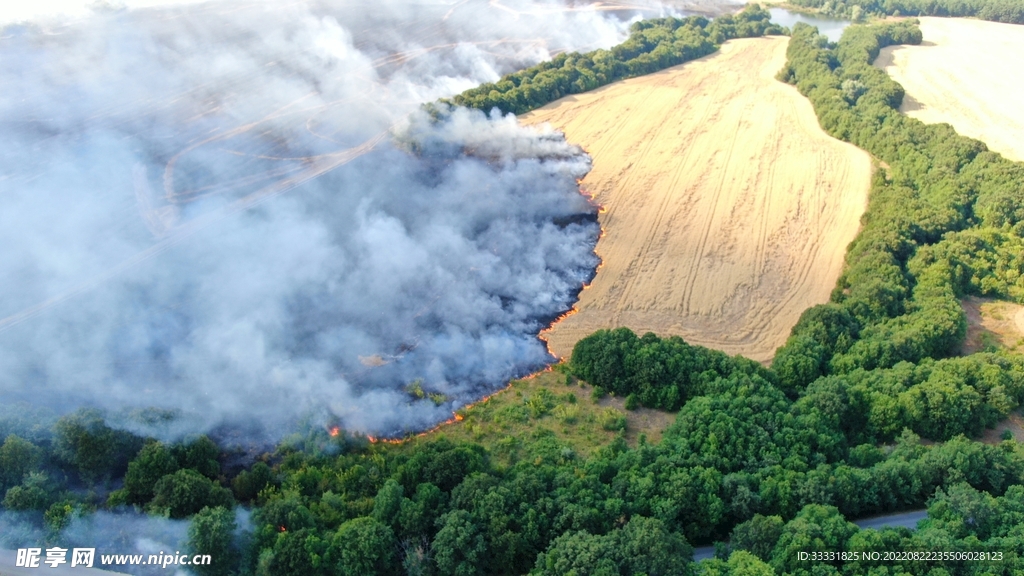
(968, 73)
(728, 210)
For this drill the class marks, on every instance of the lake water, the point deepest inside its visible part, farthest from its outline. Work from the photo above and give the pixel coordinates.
(831, 28)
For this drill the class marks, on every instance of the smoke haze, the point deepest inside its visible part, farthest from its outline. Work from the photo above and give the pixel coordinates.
(237, 212)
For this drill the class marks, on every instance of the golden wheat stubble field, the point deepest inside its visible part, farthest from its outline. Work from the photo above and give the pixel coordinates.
(968, 73)
(728, 210)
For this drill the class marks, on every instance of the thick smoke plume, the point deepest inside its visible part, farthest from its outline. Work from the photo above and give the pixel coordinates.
(236, 212)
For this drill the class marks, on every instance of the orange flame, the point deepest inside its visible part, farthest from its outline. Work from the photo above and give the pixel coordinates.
(334, 431)
(456, 416)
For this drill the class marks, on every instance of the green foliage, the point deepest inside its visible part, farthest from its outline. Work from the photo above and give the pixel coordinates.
(739, 563)
(249, 483)
(540, 403)
(36, 492)
(1009, 11)
(612, 419)
(661, 373)
(96, 451)
(211, 532)
(939, 226)
(363, 546)
(653, 45)
(415, 389)
(18, 457)
(459, 547)
(200, 455)
(443, 464)
(642, 546)
(186, 492)
(775, 460)
(567, 413)
(816, 527)
(632, 402)
(387, 505)
(59, 515)
(759, 535)
(153, 463)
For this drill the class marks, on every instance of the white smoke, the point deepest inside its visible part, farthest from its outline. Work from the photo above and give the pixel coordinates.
(237, 212)
(122, 533)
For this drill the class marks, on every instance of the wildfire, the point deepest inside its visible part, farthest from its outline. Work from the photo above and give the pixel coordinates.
(334, 431)
(456, 417)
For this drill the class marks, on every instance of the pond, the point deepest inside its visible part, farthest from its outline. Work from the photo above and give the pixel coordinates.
(830, 27)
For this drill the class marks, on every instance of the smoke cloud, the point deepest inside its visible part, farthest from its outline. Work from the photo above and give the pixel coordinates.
(237, 212)
(109, 533)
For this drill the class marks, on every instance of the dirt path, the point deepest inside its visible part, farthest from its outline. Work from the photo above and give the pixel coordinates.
(728, 209)
(969, 73)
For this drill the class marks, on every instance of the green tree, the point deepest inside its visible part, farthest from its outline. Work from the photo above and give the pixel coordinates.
(249, 483)
(186, 492)
(153, 463)
(36, 492)
(759, 535)
(96, 451)
(387, 505)
(18, 457)
(211, 532)
(200, 454)
(459, 547)
(816, 527)
(363, 546)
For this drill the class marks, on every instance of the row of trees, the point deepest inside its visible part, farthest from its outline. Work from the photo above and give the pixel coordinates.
(943, 221)
(659, 373)
(652, 45)
(936, 399)
(1009, 11)
(52, 470)
(960, 519)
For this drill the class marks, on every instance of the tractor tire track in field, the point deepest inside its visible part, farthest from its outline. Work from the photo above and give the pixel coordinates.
(728, 210)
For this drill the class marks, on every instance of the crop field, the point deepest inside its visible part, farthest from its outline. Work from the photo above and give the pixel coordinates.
(968, 73)
(727, 209)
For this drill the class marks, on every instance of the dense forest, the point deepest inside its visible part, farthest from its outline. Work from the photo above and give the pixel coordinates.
(1010, 11)
(652, 45)
(866, 409)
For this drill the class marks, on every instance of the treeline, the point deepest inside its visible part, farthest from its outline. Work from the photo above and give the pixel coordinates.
(944, 220)
(936, 399)
(78, 464)
(1009, 11)
(739, 453)
(652, 45)
(657, 373)
(981, 529)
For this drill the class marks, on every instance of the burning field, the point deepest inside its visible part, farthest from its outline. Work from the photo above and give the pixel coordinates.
(726, 209)
(968, 73)
(229, 213)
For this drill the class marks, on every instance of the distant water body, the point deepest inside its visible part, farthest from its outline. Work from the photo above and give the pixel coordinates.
(832, 28)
